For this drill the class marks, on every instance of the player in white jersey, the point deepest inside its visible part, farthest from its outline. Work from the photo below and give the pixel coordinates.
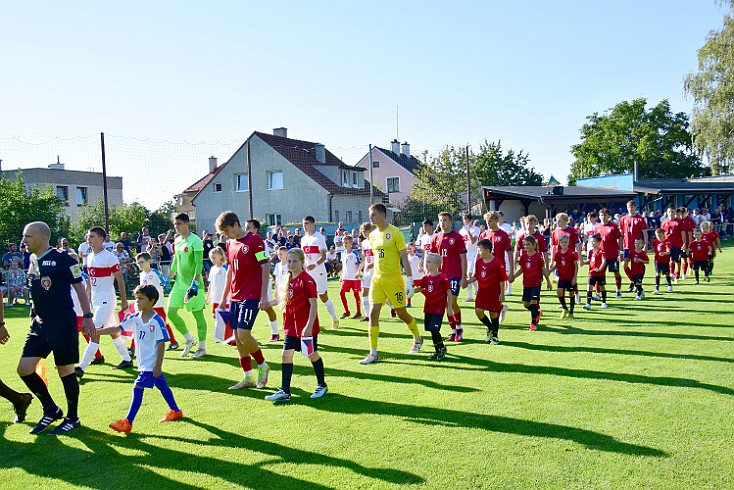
(313, 245)
(149, 275)
(415, 265)
(98, 357)
(103, 269)
(368, 261)
(470, 233)
(423, 243)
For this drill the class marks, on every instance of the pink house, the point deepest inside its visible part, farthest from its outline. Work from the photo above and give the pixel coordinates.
(393, 170)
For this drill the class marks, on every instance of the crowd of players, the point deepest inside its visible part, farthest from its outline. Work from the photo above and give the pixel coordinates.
(438, 265)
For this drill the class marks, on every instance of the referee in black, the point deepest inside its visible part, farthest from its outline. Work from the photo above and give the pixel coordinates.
(53, 326)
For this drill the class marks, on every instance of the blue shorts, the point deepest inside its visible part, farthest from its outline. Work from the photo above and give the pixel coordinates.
(432, 322)
(242, 314)
(454, 284)
(626, 253)
(145, 379)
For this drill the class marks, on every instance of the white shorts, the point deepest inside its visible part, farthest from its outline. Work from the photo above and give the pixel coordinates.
(104, 315)
(270, 290)
(471, 261)
(367, 281)
(322, 284)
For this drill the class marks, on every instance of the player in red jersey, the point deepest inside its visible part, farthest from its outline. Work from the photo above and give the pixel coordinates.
(298, 301)
(662, 260)
(636, 261)
(687, 225)
(712, 237)
(246, 292)
(564, 228)
(611, 242)
(501, 243)
(632, 226)
(532, 268)
(675, 236)
(531, 228)
(565, 262)
(435, 287)
(700, 250)
(491, 275)
(449, 244)
(597, 262)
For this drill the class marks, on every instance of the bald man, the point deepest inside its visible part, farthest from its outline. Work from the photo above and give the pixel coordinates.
(52, 274)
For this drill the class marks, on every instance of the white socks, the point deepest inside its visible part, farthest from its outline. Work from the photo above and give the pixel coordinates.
(121, 347)
(274, 327)
(366, 305)
(89, 355)
(330, 309)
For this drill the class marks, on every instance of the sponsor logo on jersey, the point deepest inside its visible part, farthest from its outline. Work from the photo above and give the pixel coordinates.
(46, 282)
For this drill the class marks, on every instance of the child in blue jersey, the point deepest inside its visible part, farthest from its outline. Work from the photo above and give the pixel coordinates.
(149, 331)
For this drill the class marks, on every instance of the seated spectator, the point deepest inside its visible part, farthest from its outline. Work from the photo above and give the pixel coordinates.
(12, 256)
(15, 281)
(333, 265)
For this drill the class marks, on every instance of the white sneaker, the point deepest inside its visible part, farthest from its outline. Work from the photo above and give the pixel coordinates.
(637, 298)
(262, 375)
(199, 353)
(488, 338)
(319, 391)
(587, 307)
(670, 289)
(245, 383)
(279, 396)
(675, 281)
(596, 297)
(503, 313)
(416, 348)
(619, 293)
(187, 347)
(578, 299)
(369, 359)
(683, 277)
(656, 292)
(603, 306)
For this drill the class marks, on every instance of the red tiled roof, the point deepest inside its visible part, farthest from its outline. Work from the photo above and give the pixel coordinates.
(197, 186)
(302, 155)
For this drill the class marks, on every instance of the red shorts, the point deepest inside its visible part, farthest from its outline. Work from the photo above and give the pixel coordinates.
(488, 301)
(351, 285)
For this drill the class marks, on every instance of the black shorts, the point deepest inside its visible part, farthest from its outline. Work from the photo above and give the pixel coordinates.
(600, 280)
(675, 254)
(242, 314)
(613, 265)
(566, 284)
(530, 294)
(700, 264)
(662, 268)
(683, 255)
(59, 338)
(432, 322)
(637, 278)
(294, 343)
(454, 284)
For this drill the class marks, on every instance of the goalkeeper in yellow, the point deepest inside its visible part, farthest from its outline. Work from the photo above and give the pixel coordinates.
(388, 246)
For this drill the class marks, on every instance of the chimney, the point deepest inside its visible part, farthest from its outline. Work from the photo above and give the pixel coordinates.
(56, 166)
(395, 146)
(405, 148)
(320, 152)
(282, 132)
(212, 164)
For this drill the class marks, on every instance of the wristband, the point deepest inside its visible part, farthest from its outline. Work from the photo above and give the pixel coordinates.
(88, 315)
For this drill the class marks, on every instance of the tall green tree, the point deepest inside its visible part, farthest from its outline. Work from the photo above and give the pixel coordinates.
(495, 167)
(657, 139)
(712, 90)
(129, 218)
(20, 205)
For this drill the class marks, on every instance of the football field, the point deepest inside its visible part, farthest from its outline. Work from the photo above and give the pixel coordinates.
(640, 395)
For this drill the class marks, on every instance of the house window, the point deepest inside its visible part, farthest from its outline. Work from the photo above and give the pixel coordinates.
(354, 179)
(336, 215)
(62, 192)
(81, 196)
(375, 164)
(275, 180)
(273, 219)
(345, 178)
(349, 217)
(217, 187)
(393, 184)
(240, 183)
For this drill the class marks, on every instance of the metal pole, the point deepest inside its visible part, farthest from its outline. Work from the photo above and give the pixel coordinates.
(468, 184)
(104, 187)
(249, 177)
(372, 186)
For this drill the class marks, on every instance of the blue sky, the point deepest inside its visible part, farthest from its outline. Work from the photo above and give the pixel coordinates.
(527, 73)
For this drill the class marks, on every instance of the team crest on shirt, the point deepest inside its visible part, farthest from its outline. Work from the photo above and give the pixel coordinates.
(245, 249)
(387, 236)
(290, 294)
(46, 282)
(186, 249)
(563, 261)
(528, 264)
(152, 329)
(483, 273)
(451, 241)
(430, 288)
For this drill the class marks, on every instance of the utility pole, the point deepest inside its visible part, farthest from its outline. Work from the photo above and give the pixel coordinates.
(372, 186)
(104, 186)
(468, 184)
(249, 176)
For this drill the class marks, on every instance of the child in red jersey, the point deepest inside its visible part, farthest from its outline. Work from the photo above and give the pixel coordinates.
(435, 287)
(491, 275)
(636, 261)
(299, 303)
(565, 229)
(687, 225)
(450, 245)
(712, 237)
(532, 268)
(597, 272)
(700, 250)
(566, 262)
(531, 224)
(662, 260)
(675, 236)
